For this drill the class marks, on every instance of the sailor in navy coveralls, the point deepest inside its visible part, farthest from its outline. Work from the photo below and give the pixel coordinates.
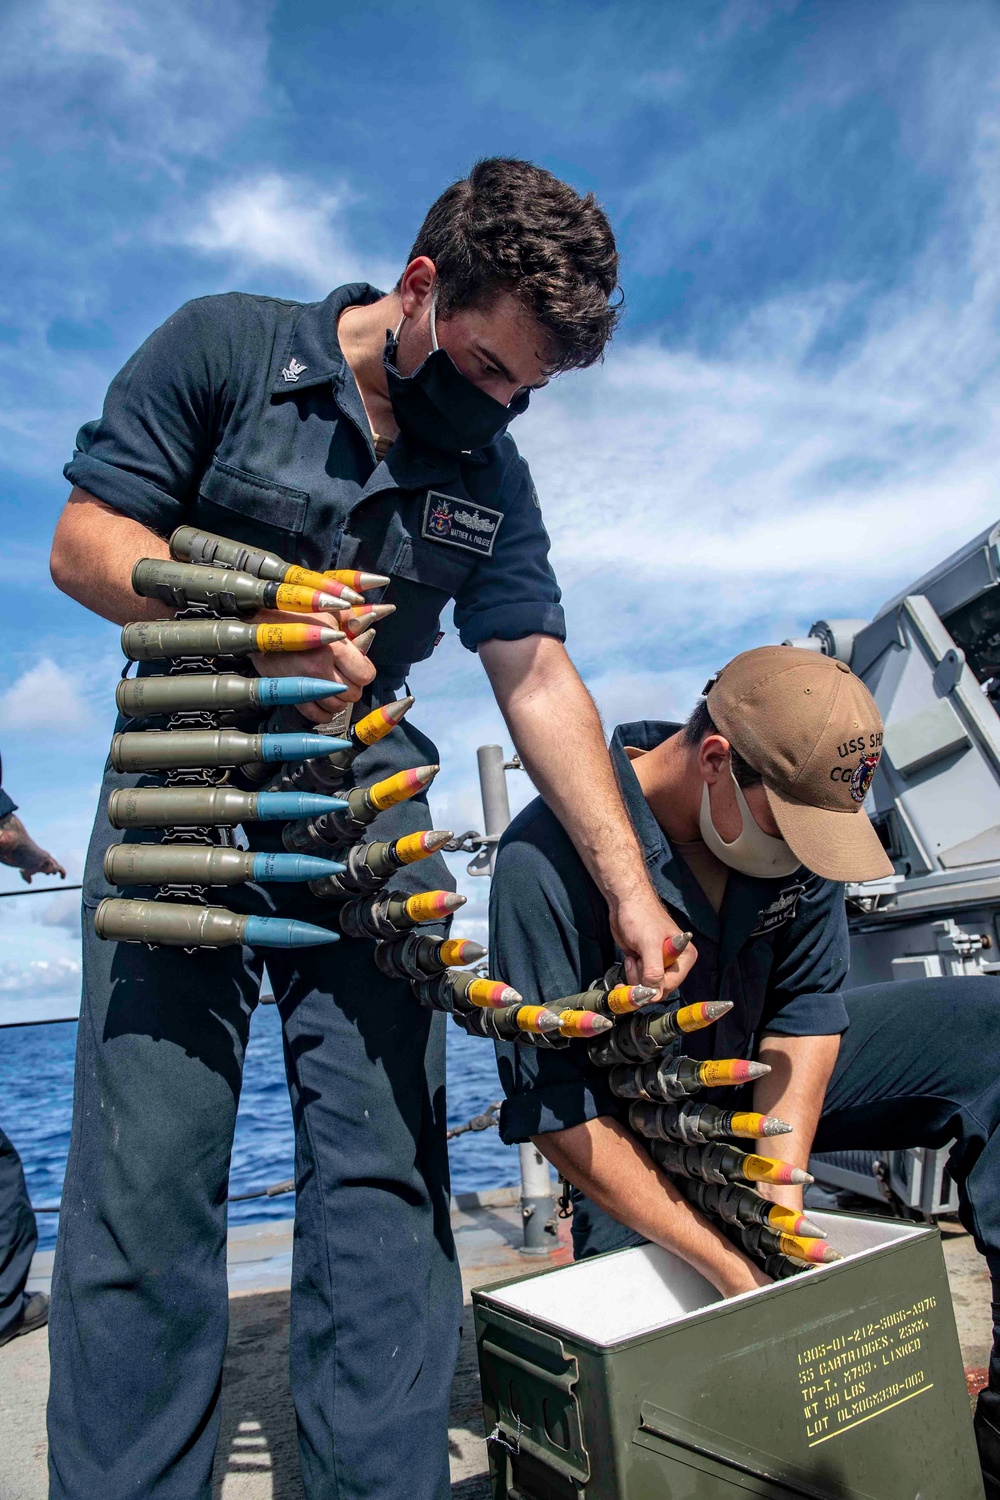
(304, 429)
(884, 1067)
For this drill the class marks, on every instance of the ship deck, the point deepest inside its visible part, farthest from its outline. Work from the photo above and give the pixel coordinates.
(257, 1454)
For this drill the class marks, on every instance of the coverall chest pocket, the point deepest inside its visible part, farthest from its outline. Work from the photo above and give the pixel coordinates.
(250, 508)
(424, 579)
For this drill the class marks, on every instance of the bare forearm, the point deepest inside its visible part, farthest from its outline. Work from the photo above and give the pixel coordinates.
(93, 553)
(557, 731)
(558, 734)
(794, 1090)
(604, 1161)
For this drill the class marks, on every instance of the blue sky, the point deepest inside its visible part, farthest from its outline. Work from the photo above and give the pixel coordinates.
(799, 413)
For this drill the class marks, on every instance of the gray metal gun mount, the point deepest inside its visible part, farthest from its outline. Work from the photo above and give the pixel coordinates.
(931, 658)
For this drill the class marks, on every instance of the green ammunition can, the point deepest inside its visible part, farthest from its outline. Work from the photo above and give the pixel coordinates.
(626, 1377)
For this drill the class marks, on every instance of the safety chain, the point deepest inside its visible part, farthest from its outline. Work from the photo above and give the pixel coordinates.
(486, 1121)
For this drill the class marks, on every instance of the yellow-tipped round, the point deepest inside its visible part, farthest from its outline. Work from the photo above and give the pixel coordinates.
(277, 636)
(583, 1023)
(534, 1018)
(696, 1017)
(416, 846)
(816, 1252)
(432, 906)
(382, 721)
(321, 582)
(491, 994)
(400, 787)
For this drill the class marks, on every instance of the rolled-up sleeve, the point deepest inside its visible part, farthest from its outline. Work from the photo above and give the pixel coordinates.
(514, 592)
(549, 936)
(7, 805)
(157, 433)
(812, 956)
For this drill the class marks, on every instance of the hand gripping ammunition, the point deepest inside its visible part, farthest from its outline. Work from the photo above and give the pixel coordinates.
(191, 864)
(458, 990)
(171, 925)
(359, 618)
(367, 867)
(738, 1205)
(328, 775)
(673, 947)
(363, 805)
(184, 584)
(139, 696)
(161, 640)
(419, 956)
(622, 1000)
(673, 1078)
(188, 544)
(760, 1241)
(200, 806)
(520, 1023)
(387, 914)
(170, 749)
(642, 1037)
(698, 1124)
(718, 1163)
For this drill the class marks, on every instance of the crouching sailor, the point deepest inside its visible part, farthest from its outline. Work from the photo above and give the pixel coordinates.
(750, 818)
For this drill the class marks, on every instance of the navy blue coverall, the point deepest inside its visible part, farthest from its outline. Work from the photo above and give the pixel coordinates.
(240, 415)
(919, 1062)
(18, 1230)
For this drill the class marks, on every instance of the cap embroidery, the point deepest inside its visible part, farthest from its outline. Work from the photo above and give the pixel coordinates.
(864, 771)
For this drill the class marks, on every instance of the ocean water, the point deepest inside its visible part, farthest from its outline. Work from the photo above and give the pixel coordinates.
(36, 1100)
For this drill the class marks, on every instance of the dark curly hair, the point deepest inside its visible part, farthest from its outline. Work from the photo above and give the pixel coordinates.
(513, 227)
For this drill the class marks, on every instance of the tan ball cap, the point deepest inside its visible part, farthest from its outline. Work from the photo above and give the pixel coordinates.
(811, 728)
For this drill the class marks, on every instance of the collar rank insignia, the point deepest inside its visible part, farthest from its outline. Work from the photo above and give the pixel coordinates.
(293, 370)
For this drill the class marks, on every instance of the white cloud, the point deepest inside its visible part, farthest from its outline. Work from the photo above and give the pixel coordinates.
(755, 486)
(63, 910)
(44, 696)
(172, 81)
(40, 978)
(275, 222)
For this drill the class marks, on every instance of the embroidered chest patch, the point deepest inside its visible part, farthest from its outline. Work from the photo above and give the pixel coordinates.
(780, 911)
(460, 523)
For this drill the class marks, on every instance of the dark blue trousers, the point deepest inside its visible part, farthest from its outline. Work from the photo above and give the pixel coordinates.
(918, 1066)
(18, 1234)
(140, 1307)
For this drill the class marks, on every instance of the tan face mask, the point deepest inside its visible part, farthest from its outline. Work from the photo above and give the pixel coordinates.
(754, 852)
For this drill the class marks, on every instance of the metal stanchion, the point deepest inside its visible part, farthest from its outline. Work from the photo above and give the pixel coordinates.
(537, 1203)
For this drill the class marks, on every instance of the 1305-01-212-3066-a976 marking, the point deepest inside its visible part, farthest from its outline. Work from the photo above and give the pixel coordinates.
(869, 1369)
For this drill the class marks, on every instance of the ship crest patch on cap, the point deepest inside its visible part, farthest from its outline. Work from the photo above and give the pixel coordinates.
(864, 773)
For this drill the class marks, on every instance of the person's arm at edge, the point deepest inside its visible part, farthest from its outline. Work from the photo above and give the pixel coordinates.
(794, 1090)
(557, 731)
(609, 1165)
(19, 849)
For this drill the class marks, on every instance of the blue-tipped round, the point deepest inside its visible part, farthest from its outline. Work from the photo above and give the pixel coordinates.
(284, 807)
(294, 867)
(278, 690)
(285, 932)
(278, 747)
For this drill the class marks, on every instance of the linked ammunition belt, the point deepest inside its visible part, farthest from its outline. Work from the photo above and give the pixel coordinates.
(211, 723)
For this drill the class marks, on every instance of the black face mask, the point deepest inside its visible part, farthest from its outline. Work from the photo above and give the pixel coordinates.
(439, 406)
